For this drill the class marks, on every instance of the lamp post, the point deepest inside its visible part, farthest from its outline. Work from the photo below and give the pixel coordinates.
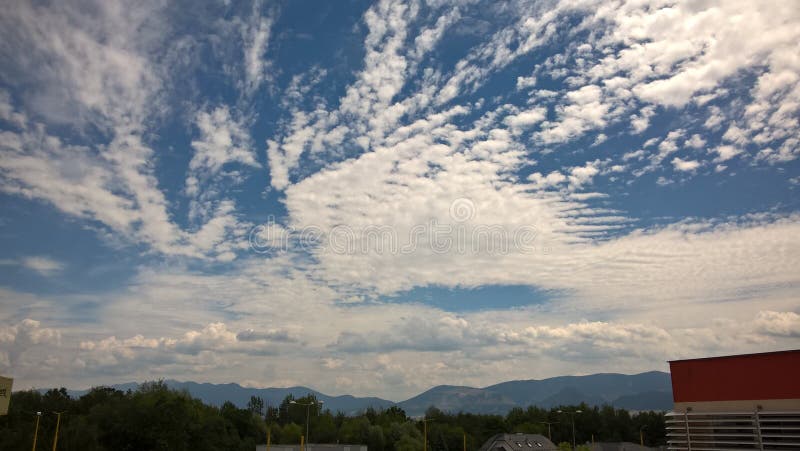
(58, 423)
(267, 417)
(308, 407)
(548, 423)
(36, 431)
(572, 417)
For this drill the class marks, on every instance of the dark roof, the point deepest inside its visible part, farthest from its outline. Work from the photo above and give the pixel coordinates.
(518, 442)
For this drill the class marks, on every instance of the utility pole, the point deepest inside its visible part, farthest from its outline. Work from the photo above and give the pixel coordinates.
(572, 417)
(548, 423)
(425, 434)
(267, 418)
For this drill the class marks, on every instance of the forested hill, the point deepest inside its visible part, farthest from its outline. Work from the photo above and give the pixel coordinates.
(217, 394)
(646, 391)
(154, 417)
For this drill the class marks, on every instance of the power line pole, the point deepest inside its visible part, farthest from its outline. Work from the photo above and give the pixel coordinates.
(572, 417)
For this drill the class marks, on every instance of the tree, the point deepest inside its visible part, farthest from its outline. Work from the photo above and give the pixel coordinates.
(325, 430)
(290, 434)
(256, 405)
(354, 430)
(404, 437)
(375, 439)
(158, 418)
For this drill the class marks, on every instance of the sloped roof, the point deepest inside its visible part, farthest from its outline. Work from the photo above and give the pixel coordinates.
(518, 442)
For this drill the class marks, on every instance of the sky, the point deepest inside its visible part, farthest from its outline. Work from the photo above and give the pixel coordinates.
(374, 198)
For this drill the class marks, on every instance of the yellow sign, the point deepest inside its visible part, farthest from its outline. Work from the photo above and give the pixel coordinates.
(5, 394)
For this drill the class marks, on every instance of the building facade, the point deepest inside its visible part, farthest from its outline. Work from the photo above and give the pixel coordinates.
(741, 402)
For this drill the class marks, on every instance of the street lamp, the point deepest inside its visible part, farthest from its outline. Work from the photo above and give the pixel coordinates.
(308, 406)
(58, 423)
(36, 431)
(572, 417)
(548, 423)
(269, 414)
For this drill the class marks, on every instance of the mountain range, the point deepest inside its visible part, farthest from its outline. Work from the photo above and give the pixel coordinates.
(646, 391)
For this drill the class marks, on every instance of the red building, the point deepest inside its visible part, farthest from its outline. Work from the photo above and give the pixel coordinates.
(741, 402)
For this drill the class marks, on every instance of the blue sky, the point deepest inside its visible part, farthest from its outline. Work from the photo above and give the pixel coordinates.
(377, 197)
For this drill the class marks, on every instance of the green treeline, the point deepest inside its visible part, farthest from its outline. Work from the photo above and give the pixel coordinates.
(158, 418)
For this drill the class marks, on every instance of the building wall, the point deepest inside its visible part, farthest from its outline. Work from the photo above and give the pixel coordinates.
(771, 375)
(744, 402)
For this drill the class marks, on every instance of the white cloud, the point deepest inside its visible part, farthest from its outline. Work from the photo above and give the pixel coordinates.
(89, 56)
(526, 82)
(582, 175)
(429, 37)
(715, 118)
(368, 102)
(552, 179)
(222, 140)
(584, 111)
(725, 153)
(22, 337)
(205, 347)
(527, 118)
(668, 35)
(696, 142)
(685, 165)
(8, 113)
(601, 138)
(256, 34)
(786, 324)
(103, 73)
(680, 274)
(663, 181)
(224, 144)
(45, 266)
(736, 135)
(641, 122)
